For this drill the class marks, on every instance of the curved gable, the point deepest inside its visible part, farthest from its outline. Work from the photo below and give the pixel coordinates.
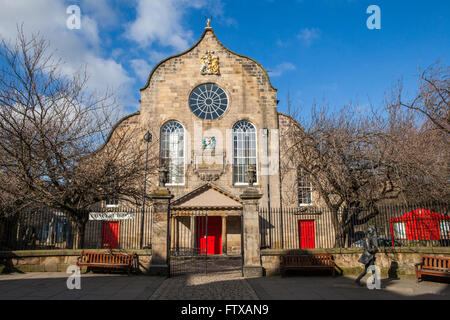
(208, 31)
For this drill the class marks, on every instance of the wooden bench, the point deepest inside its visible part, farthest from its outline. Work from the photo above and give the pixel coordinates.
(307, 262)
(433, 266)
(106, 260)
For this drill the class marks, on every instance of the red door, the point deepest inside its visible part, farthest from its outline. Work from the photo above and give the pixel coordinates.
(110, 235)
(211, 244)
(306, 234)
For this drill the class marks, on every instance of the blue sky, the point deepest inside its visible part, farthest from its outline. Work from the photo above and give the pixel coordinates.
(319, 50)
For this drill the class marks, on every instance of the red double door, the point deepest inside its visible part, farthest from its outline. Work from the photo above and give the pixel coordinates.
(209, 235)
(110, 235)
(306, 234)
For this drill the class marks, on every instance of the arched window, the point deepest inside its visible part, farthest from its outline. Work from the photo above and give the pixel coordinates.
(244, 150)
(172, 151)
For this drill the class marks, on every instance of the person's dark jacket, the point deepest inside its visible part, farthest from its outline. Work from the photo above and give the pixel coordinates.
(370, 249)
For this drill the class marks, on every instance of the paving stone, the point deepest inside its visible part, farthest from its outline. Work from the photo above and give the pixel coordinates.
(215, 286)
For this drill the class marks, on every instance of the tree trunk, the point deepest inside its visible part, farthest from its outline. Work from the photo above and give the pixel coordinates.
(79, 220)
(338, 229)
(78, 237)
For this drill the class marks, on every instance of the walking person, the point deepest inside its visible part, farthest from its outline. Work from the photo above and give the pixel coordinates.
(370, 250)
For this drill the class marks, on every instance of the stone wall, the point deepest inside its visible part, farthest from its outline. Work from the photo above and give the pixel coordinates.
(251, 97)
(53, 260)
(392, 261)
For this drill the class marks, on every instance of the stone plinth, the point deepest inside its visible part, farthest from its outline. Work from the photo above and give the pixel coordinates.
(159, 264)
(252, 240)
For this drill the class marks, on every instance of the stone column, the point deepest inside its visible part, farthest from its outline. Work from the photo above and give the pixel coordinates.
(160, 232)
(224, 235)
(193, 234)
(251, 237)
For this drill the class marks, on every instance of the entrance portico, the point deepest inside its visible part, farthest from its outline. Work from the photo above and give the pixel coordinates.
(207, 221)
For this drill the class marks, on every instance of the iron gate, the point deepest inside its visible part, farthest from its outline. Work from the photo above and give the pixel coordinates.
(196, 244)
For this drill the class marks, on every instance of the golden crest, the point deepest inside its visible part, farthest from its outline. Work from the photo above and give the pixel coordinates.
(210, 63)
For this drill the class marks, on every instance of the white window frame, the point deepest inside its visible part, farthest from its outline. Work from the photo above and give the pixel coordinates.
(301, 175)
(444, 229)
(112, 205)
(183, 157)
(243, 184)
(400, 230)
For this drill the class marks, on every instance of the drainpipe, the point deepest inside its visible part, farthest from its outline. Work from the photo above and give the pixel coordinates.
(266, 135)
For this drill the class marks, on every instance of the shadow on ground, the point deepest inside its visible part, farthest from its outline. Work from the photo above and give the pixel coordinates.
(213, 286)
(39, 286)
(320, 286)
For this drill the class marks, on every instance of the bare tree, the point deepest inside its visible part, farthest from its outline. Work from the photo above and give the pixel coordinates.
(420, 131)
(344, 156)
(55, 136)
(356, 160)
(418, 154)
(432, 99)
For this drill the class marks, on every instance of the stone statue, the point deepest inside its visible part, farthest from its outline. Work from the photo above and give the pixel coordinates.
(251, 172)
(208, 22)
(370, 250)
(163, 176)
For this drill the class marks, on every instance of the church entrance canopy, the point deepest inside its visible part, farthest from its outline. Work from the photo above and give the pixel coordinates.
(205, 231)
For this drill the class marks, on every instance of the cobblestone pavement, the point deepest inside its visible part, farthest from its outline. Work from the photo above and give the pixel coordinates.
(182, 265)
(212, 286)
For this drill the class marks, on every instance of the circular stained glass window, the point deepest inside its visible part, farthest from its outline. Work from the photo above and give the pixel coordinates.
(208, 101)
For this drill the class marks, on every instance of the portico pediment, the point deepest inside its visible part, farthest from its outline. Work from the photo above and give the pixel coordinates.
(207, 196)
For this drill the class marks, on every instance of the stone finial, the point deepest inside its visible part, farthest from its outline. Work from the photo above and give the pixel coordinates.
(208, 23)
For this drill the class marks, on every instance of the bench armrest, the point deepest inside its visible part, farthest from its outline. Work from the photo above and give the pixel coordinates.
(418, 266)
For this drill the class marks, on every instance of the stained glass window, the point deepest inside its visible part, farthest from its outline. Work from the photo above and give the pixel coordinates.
(208, 101)
(244, 150)
(172, 151)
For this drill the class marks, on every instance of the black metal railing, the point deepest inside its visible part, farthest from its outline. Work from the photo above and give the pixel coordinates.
(423, 225)
(48, 229)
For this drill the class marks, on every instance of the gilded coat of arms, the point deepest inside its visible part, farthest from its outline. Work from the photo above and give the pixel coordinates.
(210, 63)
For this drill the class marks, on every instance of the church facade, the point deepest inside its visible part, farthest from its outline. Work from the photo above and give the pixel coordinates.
(214, 115)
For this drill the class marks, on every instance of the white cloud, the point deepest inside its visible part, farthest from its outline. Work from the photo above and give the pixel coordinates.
(162, 21)
(308, 35)
(282, 68)
(141, 68)
(74, 47)
(100, 10)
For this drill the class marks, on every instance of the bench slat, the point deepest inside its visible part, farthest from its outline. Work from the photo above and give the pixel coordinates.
(106, 260)
(437, 266)
(304, 262)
